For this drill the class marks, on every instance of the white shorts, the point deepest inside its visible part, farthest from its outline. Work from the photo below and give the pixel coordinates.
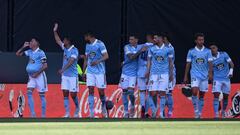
(39, 83)
(142, 83)
(98, 80)
(70, 84)
(221, 86)
(159, 82)
(128, 81)
(201, 84)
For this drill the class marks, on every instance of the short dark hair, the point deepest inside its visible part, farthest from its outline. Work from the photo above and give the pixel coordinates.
(133, 35)
(69, 39)
(37, 40)
(89, 33)
(166, 35)
(198, 35)
(158, 34)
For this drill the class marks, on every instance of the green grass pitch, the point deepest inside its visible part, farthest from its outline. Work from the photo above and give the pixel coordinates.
(123, 128)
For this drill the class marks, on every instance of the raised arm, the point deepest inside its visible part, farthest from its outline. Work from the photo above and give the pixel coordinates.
(21, 50)
(56, 36)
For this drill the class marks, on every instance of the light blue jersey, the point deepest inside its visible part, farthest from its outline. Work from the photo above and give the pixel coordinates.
(199, 62)
(71, 52)
(130, 66)
(221, 66)
(95, 52)
(36, 60)
(142, 61)
(159, 59)
(171, 48)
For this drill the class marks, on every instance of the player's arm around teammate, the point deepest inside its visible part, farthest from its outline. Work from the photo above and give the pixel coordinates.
(69, 73)
(96, 55)
(221, 78)
(37, 78)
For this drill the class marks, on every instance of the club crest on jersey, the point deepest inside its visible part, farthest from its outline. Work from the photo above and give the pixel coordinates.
(200, 61)
(92, 54)
(159, 58)
(220, 66)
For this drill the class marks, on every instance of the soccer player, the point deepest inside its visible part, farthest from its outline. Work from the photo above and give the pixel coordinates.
(160, 70)
(96, 55)
(142, 80)
(36, 66)
(221, 78)
(129, 74)
(169, 98)
(68, 72)
(200, 60)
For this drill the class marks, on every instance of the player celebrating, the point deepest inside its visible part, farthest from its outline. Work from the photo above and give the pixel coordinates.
(221, 78)
(200, 60)
(35, 68)
(96, 55)
(169, 98)
(142, 80)
(129, 74)
(69, 72)
(160, 69)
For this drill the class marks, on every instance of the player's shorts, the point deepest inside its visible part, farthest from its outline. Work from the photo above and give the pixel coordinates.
(158, 82)
(201, 84)
(221, 86)
(98, 80)
(39, 83)
(128, 81)
(70, 83)
(142, 83)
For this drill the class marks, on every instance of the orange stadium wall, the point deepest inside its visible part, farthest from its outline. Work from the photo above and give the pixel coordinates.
(182, 106)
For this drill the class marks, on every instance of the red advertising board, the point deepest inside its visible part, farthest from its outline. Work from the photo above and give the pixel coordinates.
(182, 106)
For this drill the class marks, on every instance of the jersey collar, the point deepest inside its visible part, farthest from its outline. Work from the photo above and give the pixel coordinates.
(36, 50)
(94, 42)
(160, 47)
(218, 55)
(200, 49)
(70, 48)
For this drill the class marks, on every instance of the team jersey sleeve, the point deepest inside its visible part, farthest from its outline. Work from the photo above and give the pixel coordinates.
(74, 54)
(103, 48)
(189, 56)
(27, 52)
(126, 50)
(43, 57)
(149, 53)
(170, 53)
(227, 58)
(86, 50)
(209, 56)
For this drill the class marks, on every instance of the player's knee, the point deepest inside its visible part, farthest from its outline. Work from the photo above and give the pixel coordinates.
(152, 93)
(225, 96)
(73, 95)
(125, 90)
(162, 93)
(201, 94)
(195, 91)
(42, 94)
(101, 92)
(29, 92)
(65, 93)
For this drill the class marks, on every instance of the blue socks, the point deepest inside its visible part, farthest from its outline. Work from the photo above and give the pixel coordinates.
(152, 104)
(170, 102)
(31, 103)
(142, 98)
(200, 105)
(66, 106)
(125, 100)
(132, 97)
(225, 103)
(75, 100)
(103, 100)
(91, 103)
(216, 106)
(44, 103)
(147, 103)
(195, 103)
(162, 105)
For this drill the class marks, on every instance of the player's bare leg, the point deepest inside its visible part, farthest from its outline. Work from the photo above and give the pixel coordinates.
(195, 91)
(91, 101)
(66, 103)
(102, 96)
(31, 101)
(75, 100)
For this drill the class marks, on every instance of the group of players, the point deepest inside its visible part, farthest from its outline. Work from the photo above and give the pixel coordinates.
(149, 66)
